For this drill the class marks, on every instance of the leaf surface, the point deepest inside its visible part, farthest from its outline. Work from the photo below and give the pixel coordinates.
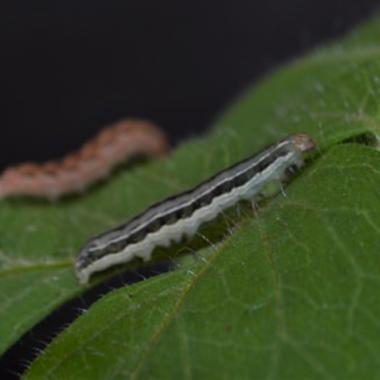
(289, 295)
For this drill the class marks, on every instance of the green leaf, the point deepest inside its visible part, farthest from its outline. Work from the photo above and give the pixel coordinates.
(289, 295)
(286, 288)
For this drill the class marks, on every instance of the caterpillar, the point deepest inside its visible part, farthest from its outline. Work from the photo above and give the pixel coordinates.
(92, 162)
(182, 214)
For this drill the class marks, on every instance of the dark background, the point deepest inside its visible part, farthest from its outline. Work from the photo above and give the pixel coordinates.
(70, 67)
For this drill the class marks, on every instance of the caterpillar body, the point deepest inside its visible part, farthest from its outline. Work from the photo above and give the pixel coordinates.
(181, 215)
(94, 161)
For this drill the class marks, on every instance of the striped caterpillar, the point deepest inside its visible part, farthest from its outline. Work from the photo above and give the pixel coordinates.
(182, 214)
(93, 161)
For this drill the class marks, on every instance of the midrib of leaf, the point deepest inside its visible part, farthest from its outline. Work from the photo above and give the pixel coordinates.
(33, 266)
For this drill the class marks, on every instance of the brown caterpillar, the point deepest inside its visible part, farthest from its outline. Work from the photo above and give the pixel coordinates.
(93, 161)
